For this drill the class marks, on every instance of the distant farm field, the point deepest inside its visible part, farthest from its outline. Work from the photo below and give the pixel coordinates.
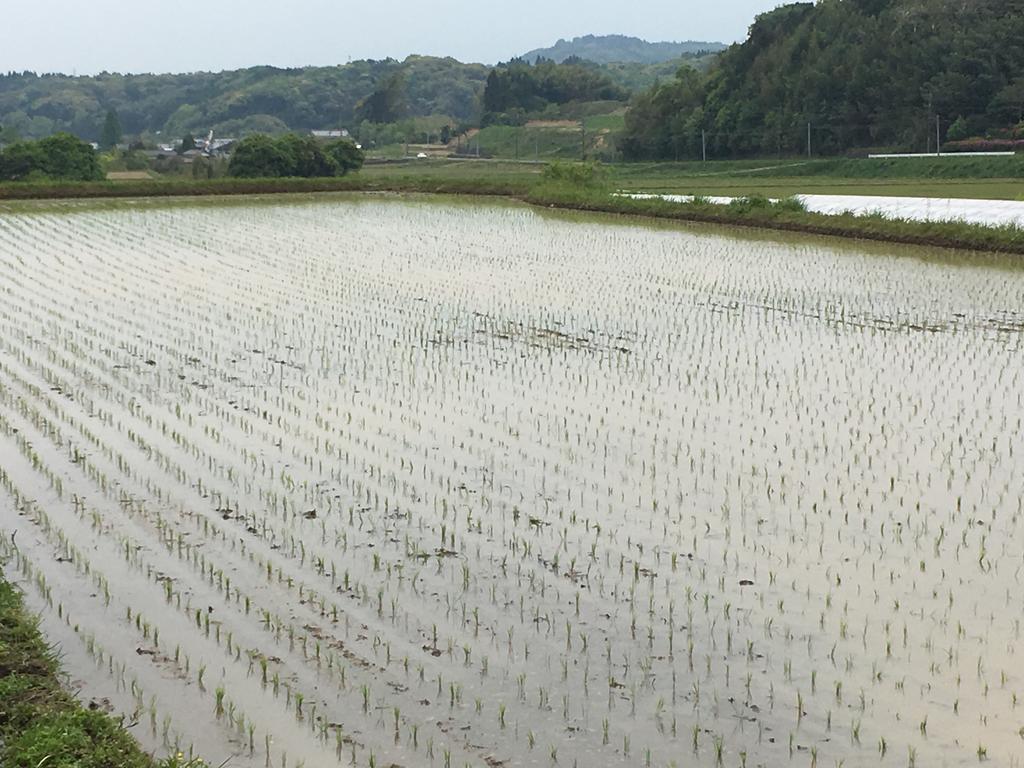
(381, 482)
(976, 178)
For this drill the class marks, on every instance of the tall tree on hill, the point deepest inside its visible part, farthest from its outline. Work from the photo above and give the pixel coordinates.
(110, 137)
(386, 104)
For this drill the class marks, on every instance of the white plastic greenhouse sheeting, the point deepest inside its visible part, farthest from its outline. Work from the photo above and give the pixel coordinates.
(989, 212)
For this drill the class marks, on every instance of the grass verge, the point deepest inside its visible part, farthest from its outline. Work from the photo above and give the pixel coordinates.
(193, 188)
(902, 168)
(43, 726)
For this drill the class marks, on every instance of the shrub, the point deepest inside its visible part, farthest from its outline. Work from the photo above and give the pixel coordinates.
(746, 204)
(959, 130)
(580, 175)
(791, 204)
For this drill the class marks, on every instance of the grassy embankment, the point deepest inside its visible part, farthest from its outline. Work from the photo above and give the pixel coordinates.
(40, 723)
(551, 140)
(983, 178)
(788, 215)
(917, 177)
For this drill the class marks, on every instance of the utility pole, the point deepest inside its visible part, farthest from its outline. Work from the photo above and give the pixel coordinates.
(808, 140)
(583, 142)
(938, 134)
(704, 145)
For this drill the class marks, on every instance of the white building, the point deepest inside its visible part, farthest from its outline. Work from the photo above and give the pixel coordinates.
(332, 134)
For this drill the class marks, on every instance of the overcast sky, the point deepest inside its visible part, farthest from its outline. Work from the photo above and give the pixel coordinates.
(88, 36)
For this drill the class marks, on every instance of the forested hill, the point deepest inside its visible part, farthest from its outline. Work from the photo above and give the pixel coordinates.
(608, 49)
(264, 99)
(862, 73)
(271, 100)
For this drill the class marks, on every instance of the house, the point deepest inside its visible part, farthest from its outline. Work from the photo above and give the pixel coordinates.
(330, 135)
(219, 147)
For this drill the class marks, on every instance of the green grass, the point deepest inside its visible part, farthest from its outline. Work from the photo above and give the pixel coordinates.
(404, 177)
(40, 723)
(533, 143)
(998, 178)
(613, 122)
(754, 177)
(549, 142)
(978, 189)
(945, 167)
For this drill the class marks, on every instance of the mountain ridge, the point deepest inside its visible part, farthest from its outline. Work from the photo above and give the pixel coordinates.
(611, 49)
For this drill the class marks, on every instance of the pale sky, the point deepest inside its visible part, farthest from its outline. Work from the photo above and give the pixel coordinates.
(89, 36)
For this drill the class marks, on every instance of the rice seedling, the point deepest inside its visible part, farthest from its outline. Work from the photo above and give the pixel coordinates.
(383, 453)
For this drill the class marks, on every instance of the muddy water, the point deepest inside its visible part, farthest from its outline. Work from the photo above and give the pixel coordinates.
(341, 480)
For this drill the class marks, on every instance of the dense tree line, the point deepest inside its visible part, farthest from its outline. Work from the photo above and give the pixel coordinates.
(859, 73)
(518, 90)
(59, 157)
(267, 157)
(109, 107)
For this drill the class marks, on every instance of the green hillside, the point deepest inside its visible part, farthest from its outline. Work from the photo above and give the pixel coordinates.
(272, 100)
(607, 49)
(243, 101)
(854, 73)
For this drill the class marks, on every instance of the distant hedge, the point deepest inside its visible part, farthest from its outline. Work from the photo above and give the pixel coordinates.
(984, 145)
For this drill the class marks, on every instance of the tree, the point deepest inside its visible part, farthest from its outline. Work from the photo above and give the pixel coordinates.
(667, 121)
(260, 156)
(307, 158)
(839, 66)
(959, 130)
(517, 89)
(347, 156)
(111, 134)
(68, 157)
(188, 143)
(21, 161)
(386, 104)
(8, 135)
(1010, 100)
(61, 156)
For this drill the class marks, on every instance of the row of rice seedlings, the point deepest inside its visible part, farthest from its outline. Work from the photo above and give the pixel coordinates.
(540, 529)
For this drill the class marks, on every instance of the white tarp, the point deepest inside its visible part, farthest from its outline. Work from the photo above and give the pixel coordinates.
(988, 212)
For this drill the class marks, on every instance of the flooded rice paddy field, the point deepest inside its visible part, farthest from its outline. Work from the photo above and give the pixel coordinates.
(383, 482)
